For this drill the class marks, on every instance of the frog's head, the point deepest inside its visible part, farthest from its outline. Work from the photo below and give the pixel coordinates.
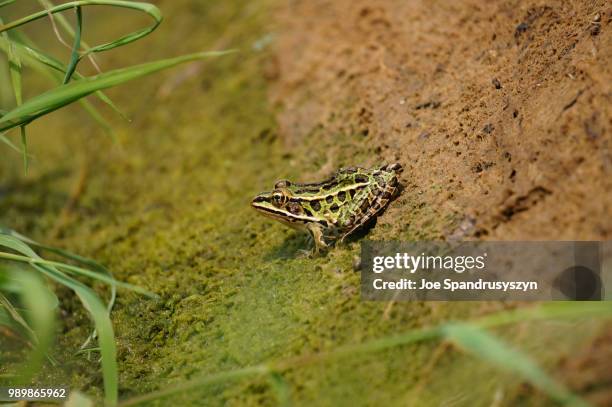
(277, 204)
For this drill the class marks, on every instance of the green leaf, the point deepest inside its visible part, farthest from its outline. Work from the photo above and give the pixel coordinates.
(147, 8)
(9, 143)
(39, 303)
(17, 317)
(24, 147)
(102, 322)
(74, 270)
(17, 245)
(70, 92)
(74, 55)
(480, 343)
(15, 74)
(99, 312)
(40, 62)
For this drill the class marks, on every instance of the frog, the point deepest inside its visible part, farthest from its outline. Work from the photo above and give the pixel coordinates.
(333, 209)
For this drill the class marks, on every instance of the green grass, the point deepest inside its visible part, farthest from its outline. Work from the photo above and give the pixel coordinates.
(471, 336)
(63, 95)
(28, 288)
(27, 301)
(229, 315)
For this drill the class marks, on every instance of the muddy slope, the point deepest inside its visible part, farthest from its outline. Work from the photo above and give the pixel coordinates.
(500, 111)
(166, 207)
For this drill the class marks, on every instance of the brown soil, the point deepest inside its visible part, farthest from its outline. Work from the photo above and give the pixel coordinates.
(499, 111)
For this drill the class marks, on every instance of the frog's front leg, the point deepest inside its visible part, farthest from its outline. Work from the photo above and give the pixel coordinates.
(316, 231)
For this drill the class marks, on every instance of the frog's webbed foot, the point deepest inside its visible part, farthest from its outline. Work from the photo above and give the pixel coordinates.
(316, 232)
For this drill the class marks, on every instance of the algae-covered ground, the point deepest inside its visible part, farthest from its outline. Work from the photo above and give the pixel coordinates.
(166, 207)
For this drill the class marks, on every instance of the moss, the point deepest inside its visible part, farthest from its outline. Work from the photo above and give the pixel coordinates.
(167, 209)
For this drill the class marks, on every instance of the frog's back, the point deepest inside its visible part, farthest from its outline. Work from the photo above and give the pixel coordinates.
(373, 190)
(350, 197)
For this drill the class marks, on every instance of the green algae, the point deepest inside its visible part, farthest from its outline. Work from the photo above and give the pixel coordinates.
(167, 209)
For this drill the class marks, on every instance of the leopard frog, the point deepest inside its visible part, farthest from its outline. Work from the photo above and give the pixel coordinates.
(333, 209)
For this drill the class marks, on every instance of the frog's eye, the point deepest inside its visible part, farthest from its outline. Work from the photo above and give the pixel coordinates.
(283, 183)
(278, 198)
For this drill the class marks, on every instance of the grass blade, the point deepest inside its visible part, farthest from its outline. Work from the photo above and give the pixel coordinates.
(544, 311)
(104, 328)
(70, 92)
(92, 264)
(90, 301)
(222, 377)
(480, 343)
(74, 270)
(9, 143)
(31, 55)
(16, 317)
(15, 74)
(74, 54)
(39, 302)
(24, 147)
(48, 66)
(98, 311)
(14, 66)
(147, 8)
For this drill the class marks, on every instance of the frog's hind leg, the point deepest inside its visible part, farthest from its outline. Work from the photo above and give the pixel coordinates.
(379, 203)
(316, 231)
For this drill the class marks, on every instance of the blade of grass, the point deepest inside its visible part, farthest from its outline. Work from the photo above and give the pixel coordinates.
(16, 316)
(14, 69)
(31, 55)
(48, 66)
(90, 301)
(147, 8)
(102, 322)
(66, 94)
(480, 343)
(24, 147)
(74, 270)
(74, 55)
(15, 73)
(94, 265)
(9, 143)
(6, 93)
(552, 310)
(222, 377)
(65, 25)
(6, 2)
(29, 256)
(60, 18)
(39, 304)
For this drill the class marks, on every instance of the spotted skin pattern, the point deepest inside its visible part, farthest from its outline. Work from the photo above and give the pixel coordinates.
(335, 208)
